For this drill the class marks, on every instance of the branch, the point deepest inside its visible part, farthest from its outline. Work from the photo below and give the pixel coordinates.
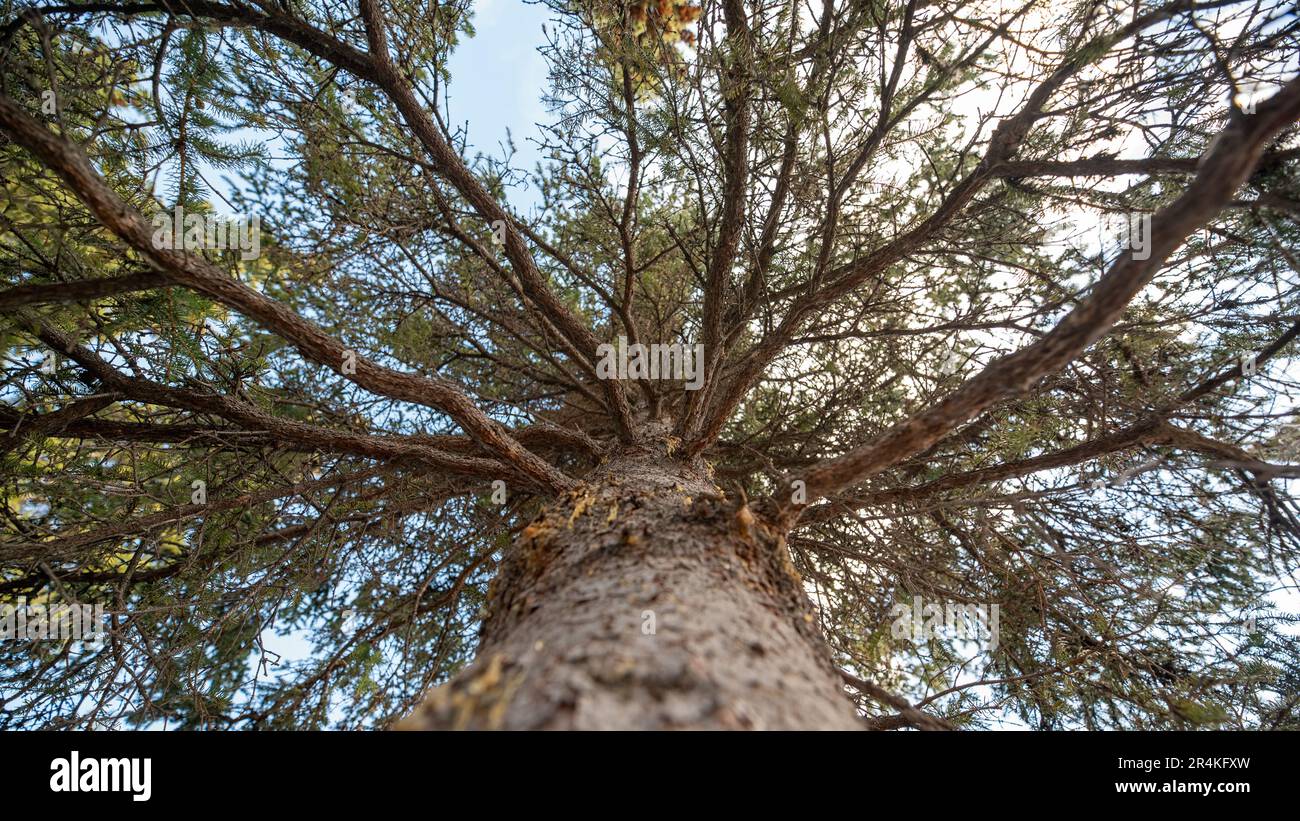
(1003, 143)
(1226, 165)
(1113, 167)
(379, 69)
(70, 423)
(53, 421)
(256, 420)
(736, 90)
(69, 162)
(1230, 456)
(1153, 429)
(81, 290)
(1146, 432)
(918, 719)
(62, 545)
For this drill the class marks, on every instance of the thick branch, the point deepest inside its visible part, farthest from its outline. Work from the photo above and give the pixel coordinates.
(70, 163)
(736, 89)
(381, 71)
(80, 290)
(256, 420)
(1115, 167)
(1003, 143)
(1228, 163)
(1152, 429)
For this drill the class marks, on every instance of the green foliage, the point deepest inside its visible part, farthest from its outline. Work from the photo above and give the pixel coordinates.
(322, 585)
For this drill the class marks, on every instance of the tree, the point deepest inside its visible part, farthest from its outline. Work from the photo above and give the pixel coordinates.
(870, 363)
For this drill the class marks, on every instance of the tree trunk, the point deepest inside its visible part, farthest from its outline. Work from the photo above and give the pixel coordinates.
(644, 600)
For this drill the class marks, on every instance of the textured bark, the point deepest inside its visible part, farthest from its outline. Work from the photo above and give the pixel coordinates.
(565, 644)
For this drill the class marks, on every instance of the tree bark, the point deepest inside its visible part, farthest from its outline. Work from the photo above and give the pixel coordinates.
(643, 599)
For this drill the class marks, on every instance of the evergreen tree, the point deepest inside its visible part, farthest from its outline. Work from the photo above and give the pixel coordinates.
(953, 351)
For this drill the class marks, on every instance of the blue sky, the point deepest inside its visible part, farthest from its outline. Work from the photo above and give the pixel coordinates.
(498, 77)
